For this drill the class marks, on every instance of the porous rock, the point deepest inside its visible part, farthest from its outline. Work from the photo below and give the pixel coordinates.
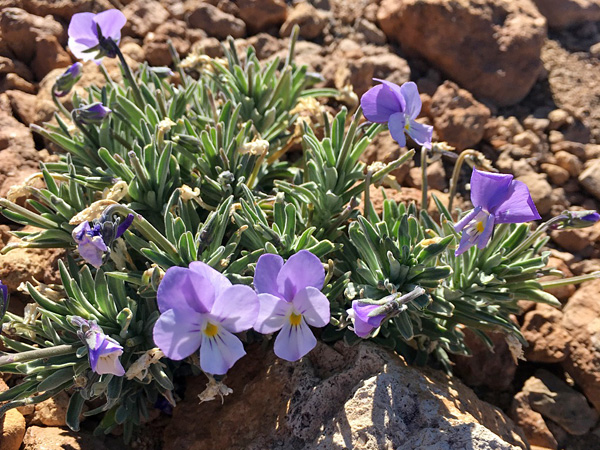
(490, 47)
(144, 16)
(590, 178)
(260, 15)
(353, 397)
(52, 438)
(213, 21)
(12, 426)
(311, 21)
(532, 423)
(568, 13)
(458, 118)
(51, 412)
(547, 338)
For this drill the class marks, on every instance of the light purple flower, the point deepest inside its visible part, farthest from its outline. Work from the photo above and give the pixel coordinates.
(4, 305)
(399, 106)
(200, 308)
(103, 351)
(90, 243)
(93, 36)
(67, 80)
(91, 114)
(363, 324)
(291, 299)
(497, 198)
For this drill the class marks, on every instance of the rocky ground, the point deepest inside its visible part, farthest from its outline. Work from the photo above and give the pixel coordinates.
(518, 80)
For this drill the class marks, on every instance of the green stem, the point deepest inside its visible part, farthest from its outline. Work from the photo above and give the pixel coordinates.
(456, 173)
(137, 94)
(58, 104)
(571, 280)
(423, 179)
(38, 354)
(534, 236)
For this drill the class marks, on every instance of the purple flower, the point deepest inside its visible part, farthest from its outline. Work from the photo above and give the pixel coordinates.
(4, 305)
(122, 227)
(67, 80)
(90, 243)
(399, 106)
(363, 324)
(291, 299)
(93, 36)
(103, 351)
(497, 198)
(201, 308)
(91, 114)
(574, 219)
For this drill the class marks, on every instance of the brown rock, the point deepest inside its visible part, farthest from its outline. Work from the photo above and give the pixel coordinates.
(339, 396)
(458, 118)
(532, 423)
(577, 240)
(214, 21)
(12, 81)
(554, 399)
(357, 73)
(529, 144)
(590, 178)
(31, 109)
(311, 21)
(541, 191)
(436, 177)
(260, 15)
(575, 148)
(144, 16)
(581, 319)
(564, 292)
(501, 38)
(547, 338)
(20, 30)
(385, 149)
(52, 412)
(53, 438)
(49, 55)
(557, 174)
(8, 65)
(371, 32)
(569, 162)
(64, 8)
(12, 429)
(567, 13)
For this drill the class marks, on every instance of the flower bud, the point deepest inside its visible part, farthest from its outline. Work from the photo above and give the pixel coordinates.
(91, 114)
(574, 219)
(65, 82)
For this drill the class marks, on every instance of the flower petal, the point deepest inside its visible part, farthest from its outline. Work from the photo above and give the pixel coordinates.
(110, 364)
(361, 327)
(362, 311)
(272, 313)
(396, 126)
(379, 103)
(110, 23)
(293, 342)
(301, 270)
(218, 281)
(465, 244)
(489, 190)
(313, 305)
(518, 206)
(467, 218)
(484, 237)
(183, 288)
(178, 333)
(265, 275)
(218, 354)
(236, 308)
(82, 27)
(413, 100)
(420, 133)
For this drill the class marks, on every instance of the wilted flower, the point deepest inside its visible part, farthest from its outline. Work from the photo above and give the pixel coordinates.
(363, 324)
(200, 308)
(67, 80)
(93, 242)
(93, 36)
(574, 219)
(497, 198)
(103, 351)
(91, 114)
(291, 299)
(4, 299)
(399, 106)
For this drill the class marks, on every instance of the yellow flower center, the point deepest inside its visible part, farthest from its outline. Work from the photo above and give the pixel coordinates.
(211, 330)
(480, 227)
(295, 319)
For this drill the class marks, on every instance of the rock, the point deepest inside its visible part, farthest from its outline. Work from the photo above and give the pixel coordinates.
(501, 38)
(12, 426)
(52, 438)
(591, 151)
(564, 292)
(383, 148)
(21, 265)
(581, 319)
(554, 399)
(156, 47)
(436, 176)
(577, 240)
(458, 118)
(370, 31)
(528, 142)
(30, 108)
(20, 31)
(536, 124)
(144, 16)
(569, 162)
(49, 55)
(575, 148)
(8, 65)
(557, 174)
(260, 15)
(532, 423)
(541, 191)
(547, 338)
(590, 178)
(64, 8)
(215, 22)
(558, 118)
(311, 21)
(12, 81)
(485, 368)
(358, 397)
(52, 412)
(568, 13)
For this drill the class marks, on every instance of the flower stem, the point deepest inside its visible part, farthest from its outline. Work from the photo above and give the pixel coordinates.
(456, 173)
(139, 99)
(30, 355)
(423, 179)
(571, 280)
(58, 104)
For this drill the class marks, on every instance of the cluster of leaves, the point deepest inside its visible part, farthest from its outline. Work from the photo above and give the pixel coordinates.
(206, 168)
